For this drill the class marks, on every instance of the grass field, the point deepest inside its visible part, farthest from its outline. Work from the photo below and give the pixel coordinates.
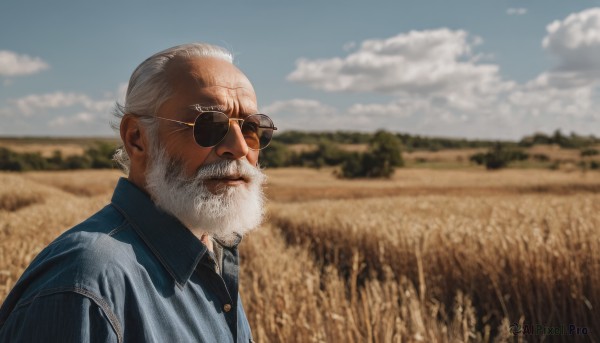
(428, 256)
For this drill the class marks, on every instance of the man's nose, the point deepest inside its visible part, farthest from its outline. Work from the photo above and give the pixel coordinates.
(233, 146)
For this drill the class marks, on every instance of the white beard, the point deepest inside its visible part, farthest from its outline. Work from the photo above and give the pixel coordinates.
(231, 212)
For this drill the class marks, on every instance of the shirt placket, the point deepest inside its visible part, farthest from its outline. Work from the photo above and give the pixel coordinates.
(225, 284)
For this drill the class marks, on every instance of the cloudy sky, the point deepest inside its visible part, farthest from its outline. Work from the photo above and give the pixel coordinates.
(460, 68)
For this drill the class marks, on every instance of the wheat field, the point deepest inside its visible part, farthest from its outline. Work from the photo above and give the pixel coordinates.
(428, 256)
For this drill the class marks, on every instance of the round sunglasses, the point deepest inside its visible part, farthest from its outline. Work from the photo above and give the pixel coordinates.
(211, 127)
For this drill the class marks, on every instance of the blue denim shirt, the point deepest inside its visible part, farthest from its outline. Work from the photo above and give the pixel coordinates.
(129, 273)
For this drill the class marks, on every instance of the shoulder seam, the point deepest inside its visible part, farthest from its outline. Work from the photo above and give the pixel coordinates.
(119, 228)
(103, 305)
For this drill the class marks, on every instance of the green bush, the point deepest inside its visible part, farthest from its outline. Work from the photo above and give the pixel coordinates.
(589, 152)
(77, 162)
(384, 154)
(10, 160)
(100, 155)
(327, 153)
(541, 157)
(353, 167)
(276, 155)
(498, 157)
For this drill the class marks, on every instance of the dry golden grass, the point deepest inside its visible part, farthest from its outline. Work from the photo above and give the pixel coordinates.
(447, 155)
(47, 146)
(531, 256)
(301, 184)
(46, 150)
(81, 182)
(428, 256)
(27, 228)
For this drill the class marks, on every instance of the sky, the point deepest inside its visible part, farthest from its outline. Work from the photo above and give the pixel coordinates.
(495, 69)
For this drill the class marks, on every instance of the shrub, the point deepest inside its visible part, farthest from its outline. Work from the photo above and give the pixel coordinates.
(100, 156)
(10, 160)
(327, 153)
(498, 157)
(77, 162)
(384, 154)
(353, 167)
(589, 152)
(276, 155)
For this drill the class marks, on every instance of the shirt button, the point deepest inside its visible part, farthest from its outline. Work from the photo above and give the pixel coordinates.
(227, 308)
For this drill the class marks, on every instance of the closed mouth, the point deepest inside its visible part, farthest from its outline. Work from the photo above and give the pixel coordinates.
(230, 178)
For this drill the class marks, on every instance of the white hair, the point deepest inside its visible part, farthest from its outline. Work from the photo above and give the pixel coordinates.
(149, 88)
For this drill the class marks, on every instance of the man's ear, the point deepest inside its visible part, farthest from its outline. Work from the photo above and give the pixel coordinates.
(134, 137)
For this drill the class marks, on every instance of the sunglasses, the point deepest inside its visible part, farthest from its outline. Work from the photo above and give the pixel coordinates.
(211, 127)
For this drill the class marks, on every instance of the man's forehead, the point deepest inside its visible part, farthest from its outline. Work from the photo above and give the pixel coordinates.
(224, 99)
(205, 72)
(212, 84)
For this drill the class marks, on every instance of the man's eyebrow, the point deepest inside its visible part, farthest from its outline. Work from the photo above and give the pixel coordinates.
(204, 108)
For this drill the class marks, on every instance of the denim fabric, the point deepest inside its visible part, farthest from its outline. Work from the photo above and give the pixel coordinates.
(129, 273)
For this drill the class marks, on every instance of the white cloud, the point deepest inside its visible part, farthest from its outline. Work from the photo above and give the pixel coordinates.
(36, 103)
(33, 103)
(440, 86)
(570, 89)
(75, 120)
(427, 63)
(395, 109)
(13, 64)
(575, 43)
(516, 11)
(302, 114)
(61, 113)
(298, 106)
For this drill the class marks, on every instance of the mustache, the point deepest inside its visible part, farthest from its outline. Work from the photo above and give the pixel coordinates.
(230, 169)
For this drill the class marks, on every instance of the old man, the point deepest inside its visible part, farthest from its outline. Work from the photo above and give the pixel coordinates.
(160, 262)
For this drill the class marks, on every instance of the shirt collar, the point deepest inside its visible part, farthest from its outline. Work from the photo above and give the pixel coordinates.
(173, 244)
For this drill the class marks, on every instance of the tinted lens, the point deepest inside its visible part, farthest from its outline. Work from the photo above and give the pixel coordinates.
(258, 131)
(210, 128)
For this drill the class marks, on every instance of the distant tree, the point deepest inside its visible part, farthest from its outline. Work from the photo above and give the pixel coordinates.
(383, 155)
(353, 166)
(55, 161)
(100, 155)
(589, 152)
(327, 153)
(77, 162)
(9, 160)
(499, 156)
(541, 157)
(276, 155)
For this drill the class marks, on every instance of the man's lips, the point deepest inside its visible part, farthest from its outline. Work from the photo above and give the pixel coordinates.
(234, 179)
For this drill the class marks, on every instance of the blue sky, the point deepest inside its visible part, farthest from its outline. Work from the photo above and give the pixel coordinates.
(463, 68)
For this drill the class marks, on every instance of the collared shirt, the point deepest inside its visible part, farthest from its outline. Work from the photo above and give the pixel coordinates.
(129, 273)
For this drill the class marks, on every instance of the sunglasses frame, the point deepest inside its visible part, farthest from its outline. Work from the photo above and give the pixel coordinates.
(239, 120)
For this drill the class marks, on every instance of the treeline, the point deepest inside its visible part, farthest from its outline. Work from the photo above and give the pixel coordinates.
(500, 156)
(408, 141)
(417, 142)
(572, 141)
(384, 153)
(98, 156)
